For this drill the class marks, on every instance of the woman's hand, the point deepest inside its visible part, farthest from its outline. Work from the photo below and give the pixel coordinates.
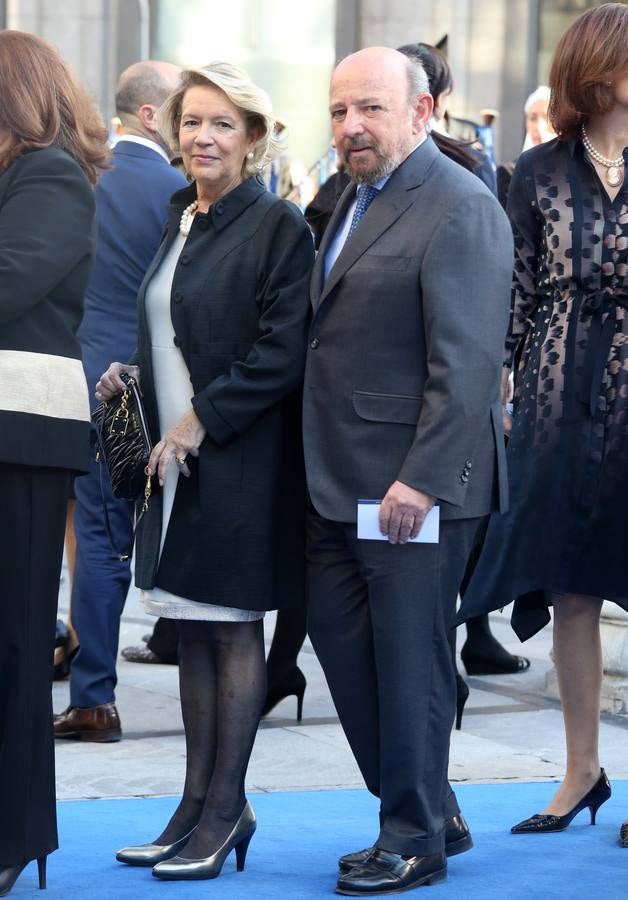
(186, 437)
(110, 382)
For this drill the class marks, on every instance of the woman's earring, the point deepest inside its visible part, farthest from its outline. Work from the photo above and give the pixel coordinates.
(250, 154)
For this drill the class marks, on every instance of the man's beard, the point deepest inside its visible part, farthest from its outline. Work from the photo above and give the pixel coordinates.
(383, 165)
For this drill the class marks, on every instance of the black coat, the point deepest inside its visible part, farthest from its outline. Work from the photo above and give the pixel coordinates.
(46, 246)
(240, 309)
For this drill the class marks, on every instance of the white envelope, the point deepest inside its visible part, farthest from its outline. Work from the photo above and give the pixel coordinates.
(368, 524)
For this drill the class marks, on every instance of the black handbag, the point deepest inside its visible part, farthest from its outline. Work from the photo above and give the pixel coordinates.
(124, 446)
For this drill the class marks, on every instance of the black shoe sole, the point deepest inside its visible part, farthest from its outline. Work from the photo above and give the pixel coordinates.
(432, 878)
(454, 848)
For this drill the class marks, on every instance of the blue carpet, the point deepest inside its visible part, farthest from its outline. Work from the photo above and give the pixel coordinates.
(301, 835)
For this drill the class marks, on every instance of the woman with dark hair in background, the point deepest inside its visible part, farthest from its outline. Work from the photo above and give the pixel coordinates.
(563, 541)
(441, 82)
(52, 142)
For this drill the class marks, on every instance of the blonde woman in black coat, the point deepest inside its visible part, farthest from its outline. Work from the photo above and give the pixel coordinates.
(51, 141)
(222, 332)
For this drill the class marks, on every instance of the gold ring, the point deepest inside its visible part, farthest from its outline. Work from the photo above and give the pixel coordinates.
(180, 460)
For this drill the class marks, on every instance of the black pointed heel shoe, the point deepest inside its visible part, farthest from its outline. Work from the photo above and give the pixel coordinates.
(462, 695)
(293, 683)
(10, 874)
(623, 835)
(180, 868)
(66, 648)
(542, 823)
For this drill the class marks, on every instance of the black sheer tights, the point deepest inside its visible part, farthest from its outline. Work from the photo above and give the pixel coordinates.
(222, 678)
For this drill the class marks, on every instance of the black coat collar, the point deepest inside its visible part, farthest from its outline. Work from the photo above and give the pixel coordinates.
(225, 210)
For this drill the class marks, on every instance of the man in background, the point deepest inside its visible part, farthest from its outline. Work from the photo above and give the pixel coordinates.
(131, 200)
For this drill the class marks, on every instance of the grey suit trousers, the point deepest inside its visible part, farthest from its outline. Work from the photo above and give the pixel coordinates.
(379, 617)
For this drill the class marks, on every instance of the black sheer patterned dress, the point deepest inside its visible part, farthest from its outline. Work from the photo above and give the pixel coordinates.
(567, 528)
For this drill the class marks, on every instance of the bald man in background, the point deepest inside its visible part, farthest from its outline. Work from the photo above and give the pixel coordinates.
(131, 200)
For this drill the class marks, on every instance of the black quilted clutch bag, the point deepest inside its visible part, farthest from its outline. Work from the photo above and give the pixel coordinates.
(124, 443)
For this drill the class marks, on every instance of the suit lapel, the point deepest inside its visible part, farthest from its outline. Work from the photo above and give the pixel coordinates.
(380, 215)
(397, 195)
(337, 218)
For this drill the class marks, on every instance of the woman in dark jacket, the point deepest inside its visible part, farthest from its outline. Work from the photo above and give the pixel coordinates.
(223, 322)
(51, 140)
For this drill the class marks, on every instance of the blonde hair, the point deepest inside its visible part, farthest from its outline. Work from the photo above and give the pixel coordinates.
(253, 102)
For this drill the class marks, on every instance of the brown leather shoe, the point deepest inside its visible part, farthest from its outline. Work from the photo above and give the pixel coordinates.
(100, 724)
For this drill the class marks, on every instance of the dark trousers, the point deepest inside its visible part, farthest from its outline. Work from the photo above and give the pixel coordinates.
(32, 527)
(101, 583)
(164, 641)
(379, 618)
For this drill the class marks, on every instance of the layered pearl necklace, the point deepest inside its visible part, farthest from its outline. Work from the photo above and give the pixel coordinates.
(187, 217)
(614, 167)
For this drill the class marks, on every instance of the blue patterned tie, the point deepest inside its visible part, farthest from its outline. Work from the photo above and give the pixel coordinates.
(366, 195)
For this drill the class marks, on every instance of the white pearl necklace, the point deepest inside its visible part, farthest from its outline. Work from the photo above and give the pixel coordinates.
(187, 217)
(614, 174)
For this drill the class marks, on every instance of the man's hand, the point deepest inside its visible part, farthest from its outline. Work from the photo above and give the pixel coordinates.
(403, 512)
(183, 439)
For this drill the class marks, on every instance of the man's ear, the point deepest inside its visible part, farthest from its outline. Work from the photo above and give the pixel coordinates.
(422, 112)
(147, 114)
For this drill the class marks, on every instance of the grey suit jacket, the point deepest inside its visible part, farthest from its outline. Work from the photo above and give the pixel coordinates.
(406, 344)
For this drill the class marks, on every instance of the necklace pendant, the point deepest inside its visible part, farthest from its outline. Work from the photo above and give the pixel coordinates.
(614, 176)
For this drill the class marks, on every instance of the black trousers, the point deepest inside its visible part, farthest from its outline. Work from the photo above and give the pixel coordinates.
(32, 525)
(379, 617)
(164, 640)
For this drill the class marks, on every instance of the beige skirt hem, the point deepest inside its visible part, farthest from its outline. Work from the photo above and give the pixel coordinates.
(168, 606)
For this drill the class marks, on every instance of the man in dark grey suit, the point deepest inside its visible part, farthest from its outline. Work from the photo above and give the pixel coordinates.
(410, 294)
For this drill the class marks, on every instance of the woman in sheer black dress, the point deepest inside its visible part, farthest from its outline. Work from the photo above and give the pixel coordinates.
(563, 543)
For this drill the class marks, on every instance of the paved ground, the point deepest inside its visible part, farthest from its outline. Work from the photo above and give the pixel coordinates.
(511, 731)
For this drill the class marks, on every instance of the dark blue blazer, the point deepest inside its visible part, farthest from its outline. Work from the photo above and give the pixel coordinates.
(131, 205)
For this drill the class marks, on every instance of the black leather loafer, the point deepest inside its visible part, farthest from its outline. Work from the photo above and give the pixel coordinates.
(457, 840)
(389, 873)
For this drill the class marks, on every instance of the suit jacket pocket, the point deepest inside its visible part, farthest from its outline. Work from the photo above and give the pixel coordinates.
(375, 407)
(384, 262)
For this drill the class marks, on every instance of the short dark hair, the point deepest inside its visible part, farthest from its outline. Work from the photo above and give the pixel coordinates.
(589, 54)
(435, 65)
(440, 79)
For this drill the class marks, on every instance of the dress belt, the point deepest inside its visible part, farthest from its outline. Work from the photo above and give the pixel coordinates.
(601, 333)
